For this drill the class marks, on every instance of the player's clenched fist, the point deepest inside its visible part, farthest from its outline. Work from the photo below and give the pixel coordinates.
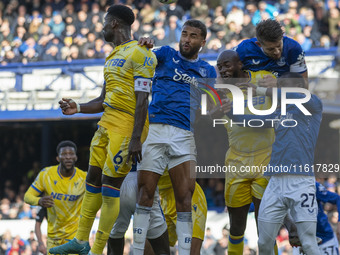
(69, 106)
(46, 201)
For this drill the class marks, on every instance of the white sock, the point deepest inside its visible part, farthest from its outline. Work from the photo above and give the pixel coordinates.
(141, 221)
(184, 232)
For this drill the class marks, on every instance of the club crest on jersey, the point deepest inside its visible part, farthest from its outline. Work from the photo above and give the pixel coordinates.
(203, 72)
(281, 61)
(76, 184)
(55, 182)
(185, 78)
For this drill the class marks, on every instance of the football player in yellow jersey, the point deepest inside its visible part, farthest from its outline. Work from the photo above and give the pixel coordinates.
(247, 147)
(199, 212)
(123, 127)
(62, 188)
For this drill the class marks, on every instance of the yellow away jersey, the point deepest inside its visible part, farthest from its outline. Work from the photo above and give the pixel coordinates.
(246, 139)
(67, 193)
(126, 63)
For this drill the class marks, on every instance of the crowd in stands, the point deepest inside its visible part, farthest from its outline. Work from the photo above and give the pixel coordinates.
(52, 30)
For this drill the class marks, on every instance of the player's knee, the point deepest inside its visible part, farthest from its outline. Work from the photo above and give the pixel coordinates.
(264, 247)
(146, 196)
(94, 175)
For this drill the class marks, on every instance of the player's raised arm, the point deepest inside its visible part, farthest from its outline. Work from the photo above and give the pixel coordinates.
(70, 107)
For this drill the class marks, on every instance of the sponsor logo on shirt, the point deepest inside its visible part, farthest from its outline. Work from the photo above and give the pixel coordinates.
(180, 76)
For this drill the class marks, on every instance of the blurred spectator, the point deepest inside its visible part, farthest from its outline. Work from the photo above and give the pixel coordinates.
(222, 244)
(264, 7)
(57, 24)
(25, 212)
(174, 10)
(173, 30)
(248, 29)
(199, 10)
(209, 243)
(160, 38)
(52, 53)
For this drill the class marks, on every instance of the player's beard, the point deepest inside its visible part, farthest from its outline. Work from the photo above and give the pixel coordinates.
(189, 54)
(66, 168)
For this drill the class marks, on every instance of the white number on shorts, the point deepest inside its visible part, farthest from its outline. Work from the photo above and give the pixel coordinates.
(305, 196)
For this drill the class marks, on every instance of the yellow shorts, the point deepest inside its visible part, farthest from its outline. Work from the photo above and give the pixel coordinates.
(246, 182)
(199, 212)
(109, 151)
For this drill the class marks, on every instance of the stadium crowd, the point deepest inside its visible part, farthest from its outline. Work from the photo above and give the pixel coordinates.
(38, 30)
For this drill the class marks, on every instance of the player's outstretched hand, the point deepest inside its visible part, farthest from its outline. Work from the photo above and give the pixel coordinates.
(135, 151)
(146, 41)
(68, 106)
(46, 201)
(268, 81)
(42, 248)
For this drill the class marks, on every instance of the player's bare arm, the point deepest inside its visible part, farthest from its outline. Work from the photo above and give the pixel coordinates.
(135, 146)
(70, 107)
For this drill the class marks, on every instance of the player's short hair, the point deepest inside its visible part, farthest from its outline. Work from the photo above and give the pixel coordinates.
(198, 24)
(291, 79)
(122, 12)
(66, 143)
(269, 30)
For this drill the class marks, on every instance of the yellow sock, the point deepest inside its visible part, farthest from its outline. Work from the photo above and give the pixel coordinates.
(109, 214)
(92, 202)
(276, 251)
(235, 245)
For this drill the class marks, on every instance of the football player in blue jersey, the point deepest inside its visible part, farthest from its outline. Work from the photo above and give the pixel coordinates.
(330, 243)
(290, 186)
(272, 51)
(175, 98)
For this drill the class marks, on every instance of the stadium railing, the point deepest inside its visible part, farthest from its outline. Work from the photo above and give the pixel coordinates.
(38, 86)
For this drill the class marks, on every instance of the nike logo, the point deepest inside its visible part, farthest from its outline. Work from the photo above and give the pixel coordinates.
(175, 61)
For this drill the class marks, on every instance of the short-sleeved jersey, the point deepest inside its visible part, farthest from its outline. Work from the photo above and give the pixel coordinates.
(246, 139)
(253, 58)
(123, 66)
(67, 193)
(177, 87)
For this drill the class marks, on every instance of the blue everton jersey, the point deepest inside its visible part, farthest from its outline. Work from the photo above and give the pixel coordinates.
(177, 87)
(293, 148)
(324, 229)
(254, 59)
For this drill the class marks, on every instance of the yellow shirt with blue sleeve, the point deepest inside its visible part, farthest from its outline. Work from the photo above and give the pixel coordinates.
(67, 193)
